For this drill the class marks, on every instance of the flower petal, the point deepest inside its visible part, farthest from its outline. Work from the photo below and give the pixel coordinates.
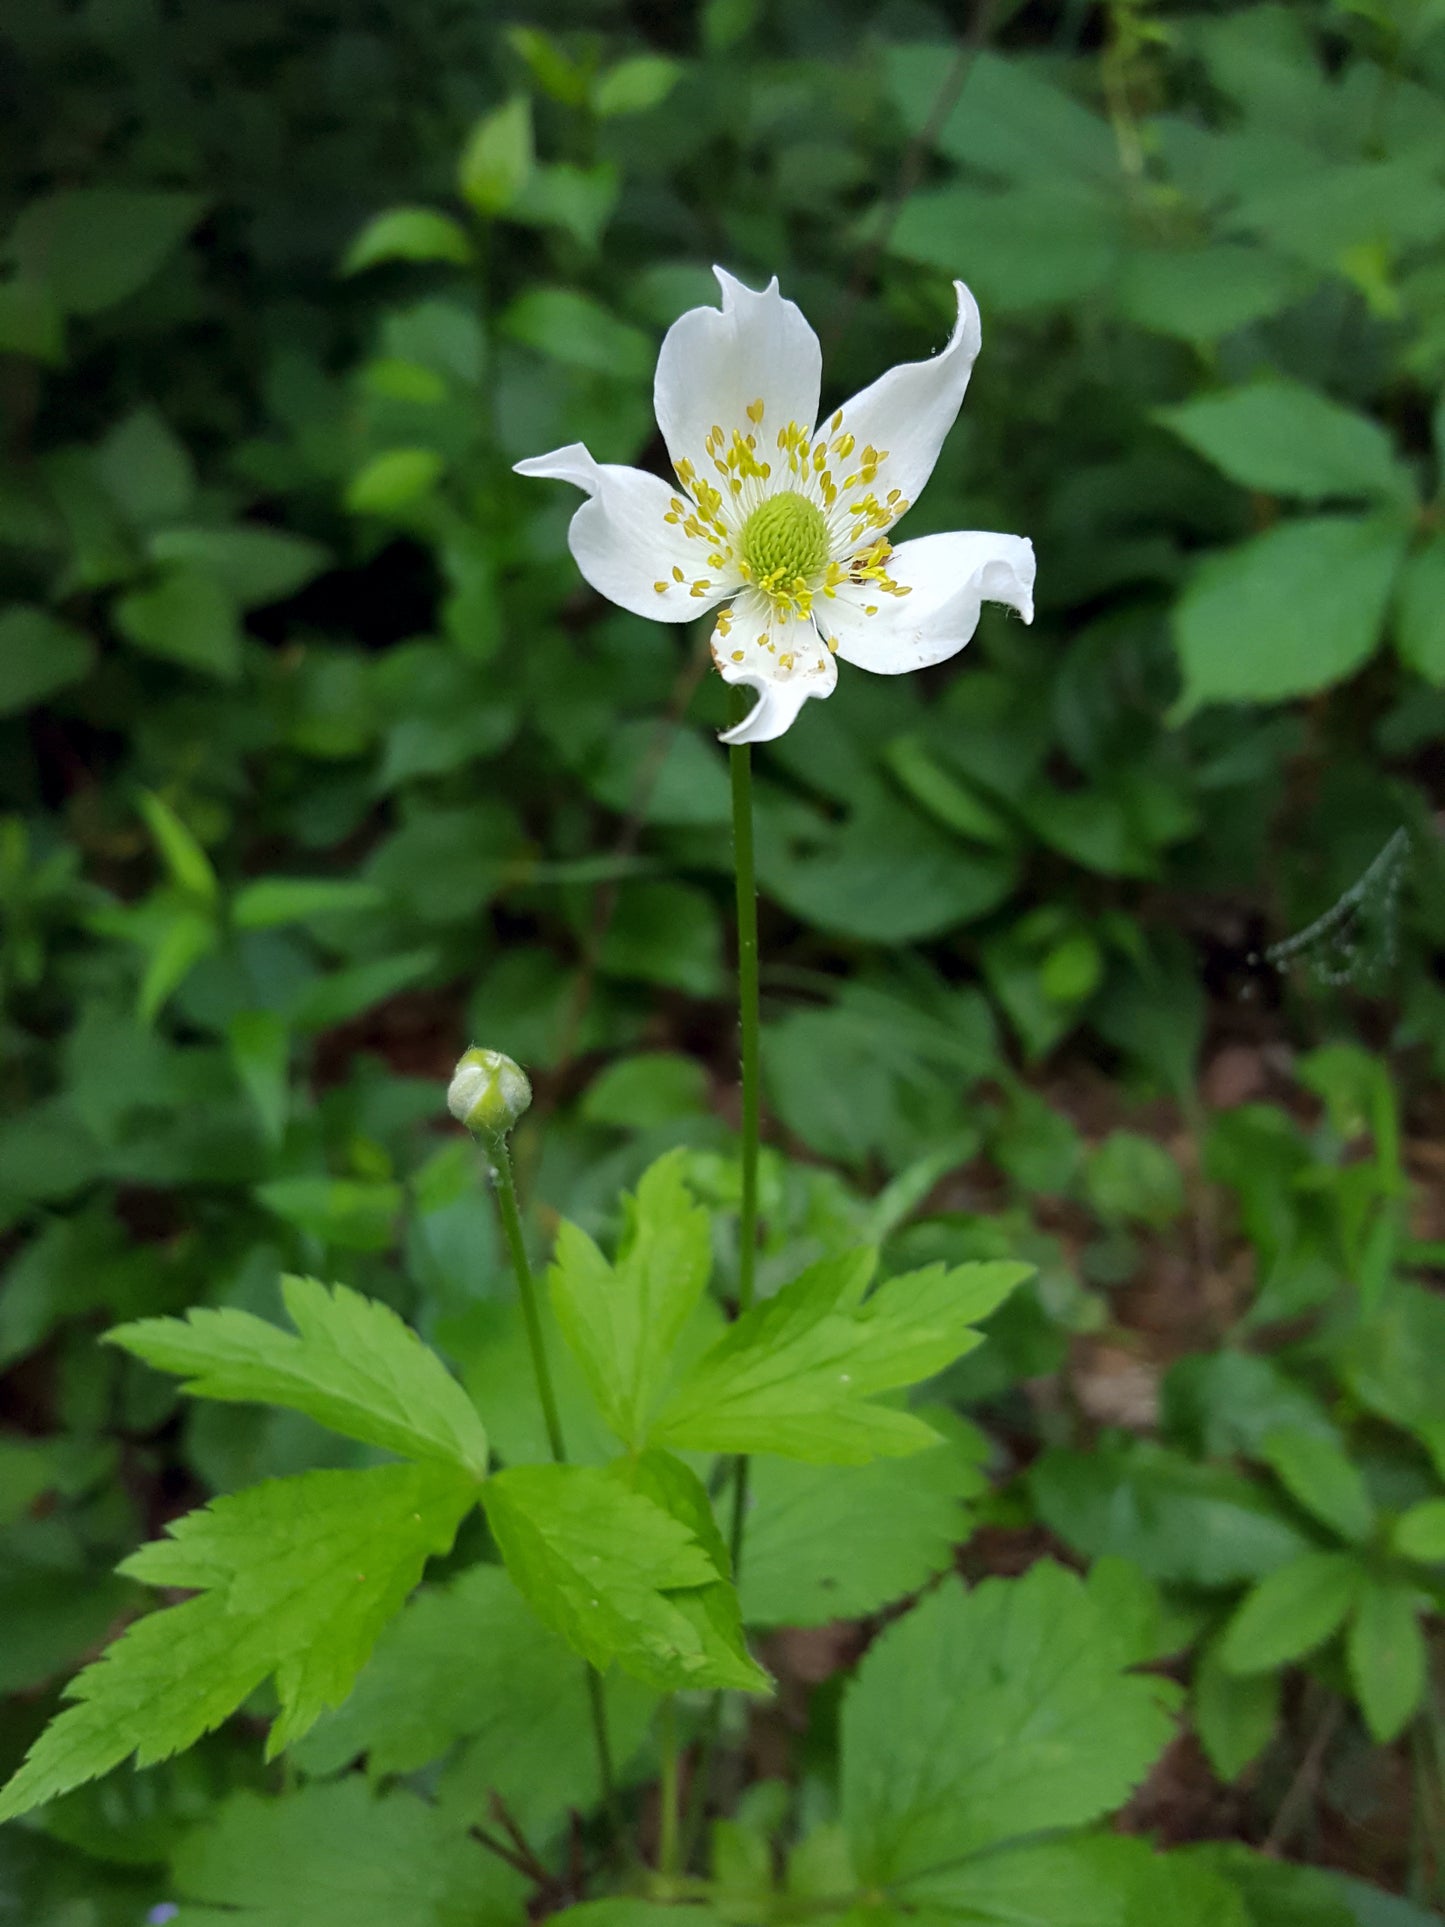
(716, 364)
(948, 578)
(906, 413)
(786, 663)
(624, 545)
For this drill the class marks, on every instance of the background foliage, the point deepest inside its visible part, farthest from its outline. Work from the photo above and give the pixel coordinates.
(317, 761)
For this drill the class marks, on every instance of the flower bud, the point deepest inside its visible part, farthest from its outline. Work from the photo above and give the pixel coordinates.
(488, 1092)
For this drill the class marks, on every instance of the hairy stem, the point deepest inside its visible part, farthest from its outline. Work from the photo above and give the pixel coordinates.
(506, 1195)
(740, 757)
(505, 1190)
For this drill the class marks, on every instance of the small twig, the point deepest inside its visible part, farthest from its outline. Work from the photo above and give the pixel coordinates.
(910, 170)
(503, 1815)
(518, 1862)
(1303, 1785)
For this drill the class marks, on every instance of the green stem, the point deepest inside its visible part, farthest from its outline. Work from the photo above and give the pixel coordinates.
(505, 1190)
(740, 759)
(667, 1836)
(511, 1217)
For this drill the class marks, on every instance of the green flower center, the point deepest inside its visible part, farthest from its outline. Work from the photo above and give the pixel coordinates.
(785, 541)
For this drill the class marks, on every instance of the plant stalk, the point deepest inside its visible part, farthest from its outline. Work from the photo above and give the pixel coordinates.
(505, 1190)
(740, 760)
(667, 1832)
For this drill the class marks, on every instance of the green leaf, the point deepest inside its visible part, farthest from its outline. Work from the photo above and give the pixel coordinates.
(393, 480)
(1291, 1612)
(472, 1663)
(1235, 1715)
(261, 1054)
(1055, 1733)
(184, 857)
(1389, 1661)
(351, 1364)
(39, 656)
(1011, 118)
(1420, 611)
(602, 1565)
(408, 234)
(576, 330)
(339, 1856)
(189, 618)
(654, 1087)
(838, 1542)
(1279, 1894)
(31, 322)
(1420, 1532)
(633, 86)
(1197, 1525)
(146, 468)
(1287, 439)
(1200, 294)
(255, 565)
(1032, 246)
(799, 1375)
(274, 900)
(686, 778)
(94, 246)
(713, 1611)
(184, 937)
(297, 1577)
(578, 200)
(498, 158)
(665, 933)
(1132, 1177)
(1288, 613)
(1317, 1474)
(623, 1322)
(355, 1214)
(885, 876)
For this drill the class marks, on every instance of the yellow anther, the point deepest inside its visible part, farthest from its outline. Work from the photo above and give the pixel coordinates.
(677, 574)
(843, 447)
(661, 587)
(737, 655)
(837, 421)
(755, 411)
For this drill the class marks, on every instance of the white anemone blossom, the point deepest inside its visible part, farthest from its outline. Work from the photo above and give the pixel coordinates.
(786, 523)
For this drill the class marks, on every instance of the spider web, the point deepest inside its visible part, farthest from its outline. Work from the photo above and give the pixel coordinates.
(1356, 940)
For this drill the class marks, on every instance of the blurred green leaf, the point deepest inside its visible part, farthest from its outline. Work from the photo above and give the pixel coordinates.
(408, 234)
(498, 158)
(576, 330)
(1288, 439)
(94, 246)
(1288, 613)
(39, 656)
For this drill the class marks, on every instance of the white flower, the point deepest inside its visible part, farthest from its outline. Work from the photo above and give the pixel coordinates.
(788, 523)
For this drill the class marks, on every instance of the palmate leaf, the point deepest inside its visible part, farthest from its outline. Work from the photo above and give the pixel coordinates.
(838, 1541)
(617, 1573)
(351, 1364)
(339, 1856)
(800, 1374)
(989, 1715)
(469, 1666)
(623, 1321)
(296, 1578)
